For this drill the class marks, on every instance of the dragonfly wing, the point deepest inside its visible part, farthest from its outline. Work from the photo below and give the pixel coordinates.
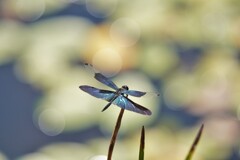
(128, 104)
(140, 94)
(101, 78)
(98, 93)
(134, 93)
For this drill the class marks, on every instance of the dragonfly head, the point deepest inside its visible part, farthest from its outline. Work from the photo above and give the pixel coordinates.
(125, 87)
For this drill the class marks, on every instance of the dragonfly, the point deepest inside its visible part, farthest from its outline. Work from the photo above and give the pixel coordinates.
(118, 97)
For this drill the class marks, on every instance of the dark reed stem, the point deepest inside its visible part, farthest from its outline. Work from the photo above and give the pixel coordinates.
(142, 144)
(114, 136)
(193, 147)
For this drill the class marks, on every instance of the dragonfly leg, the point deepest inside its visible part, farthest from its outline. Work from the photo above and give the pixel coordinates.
(106, 107)
(110, 102)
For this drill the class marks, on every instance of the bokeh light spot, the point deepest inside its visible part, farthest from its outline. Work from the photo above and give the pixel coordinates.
(108, 61)
(51, 122)
(125, 32)
(29, 10)
(100, 157)
(101, 8)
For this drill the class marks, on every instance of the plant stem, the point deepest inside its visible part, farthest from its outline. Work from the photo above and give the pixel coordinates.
(142, 144)
(193, 147)
(115, 133)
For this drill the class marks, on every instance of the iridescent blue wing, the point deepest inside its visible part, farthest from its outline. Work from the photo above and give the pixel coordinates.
(139, 93)
(128, 104)
(101, 78)
(98, 93)
(134, 93)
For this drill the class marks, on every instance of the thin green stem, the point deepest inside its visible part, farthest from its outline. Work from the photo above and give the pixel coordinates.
(114, 136)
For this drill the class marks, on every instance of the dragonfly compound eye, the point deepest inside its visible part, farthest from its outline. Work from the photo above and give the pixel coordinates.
(125, 87)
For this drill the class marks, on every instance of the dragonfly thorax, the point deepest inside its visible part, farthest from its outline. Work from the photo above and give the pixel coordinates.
(125, 87)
